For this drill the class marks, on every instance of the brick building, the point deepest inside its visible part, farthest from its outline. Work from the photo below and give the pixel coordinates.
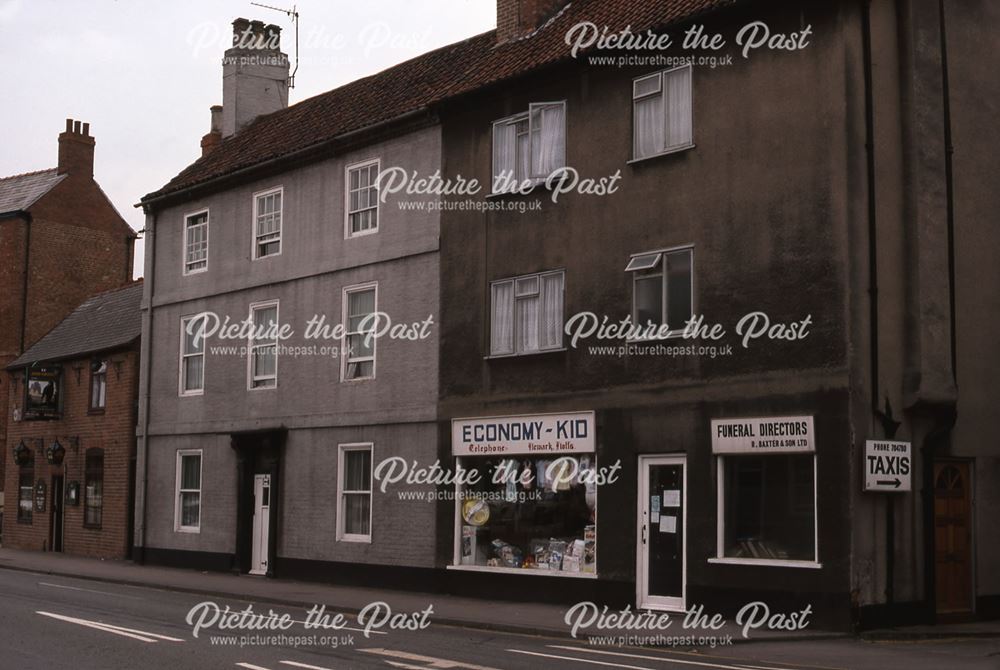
(61, 240)
(72, 396)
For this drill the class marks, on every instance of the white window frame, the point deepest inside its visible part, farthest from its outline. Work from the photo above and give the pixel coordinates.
(251, 345)
(345, 358)
(662, 262)
(348, 234)
(178, 528)
(515, 119)
(254, 248)
(513, 281)
(662, 92)
(186, 269)
(720, 543)
(343, 536)
(181, 391)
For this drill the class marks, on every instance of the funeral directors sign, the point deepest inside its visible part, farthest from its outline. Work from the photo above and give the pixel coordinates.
(530, 434)
(776, 434)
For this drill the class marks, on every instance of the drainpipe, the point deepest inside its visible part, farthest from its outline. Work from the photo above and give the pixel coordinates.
(145, 367)
(24, 285)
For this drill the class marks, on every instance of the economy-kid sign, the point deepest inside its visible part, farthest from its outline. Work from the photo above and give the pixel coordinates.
(532, 434)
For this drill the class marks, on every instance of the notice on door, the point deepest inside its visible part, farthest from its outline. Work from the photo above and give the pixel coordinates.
(888, 466)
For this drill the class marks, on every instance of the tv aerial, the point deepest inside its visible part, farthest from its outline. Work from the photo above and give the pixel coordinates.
(294, 16)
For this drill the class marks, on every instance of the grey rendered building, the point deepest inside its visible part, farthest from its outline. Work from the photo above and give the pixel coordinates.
(249, 448)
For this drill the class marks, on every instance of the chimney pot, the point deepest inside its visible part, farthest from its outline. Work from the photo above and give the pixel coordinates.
(69, 125)
(86, 130)
(76, 127)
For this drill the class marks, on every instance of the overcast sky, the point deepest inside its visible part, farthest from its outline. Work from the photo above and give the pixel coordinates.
(144, 74)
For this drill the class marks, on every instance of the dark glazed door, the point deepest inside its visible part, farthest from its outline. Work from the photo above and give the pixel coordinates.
(953, 537)
(661, 542)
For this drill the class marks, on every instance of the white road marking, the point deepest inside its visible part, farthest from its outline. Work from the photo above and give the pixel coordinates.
(109, 628)
(663, 659)
(77, 588)
(430, 660)
(356, 630)
(580, 660)
(251, 666)
(303, 665)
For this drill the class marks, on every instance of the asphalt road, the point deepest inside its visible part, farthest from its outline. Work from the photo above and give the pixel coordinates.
(50, 623)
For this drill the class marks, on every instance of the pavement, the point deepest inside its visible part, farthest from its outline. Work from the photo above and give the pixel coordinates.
(524, 618)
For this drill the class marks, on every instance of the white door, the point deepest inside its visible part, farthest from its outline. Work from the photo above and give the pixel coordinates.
(661, 551)
(261, 523)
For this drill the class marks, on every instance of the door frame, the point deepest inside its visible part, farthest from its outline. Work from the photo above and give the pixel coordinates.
(973, 536)
(57, 510)
(642, 599)
(265, 521)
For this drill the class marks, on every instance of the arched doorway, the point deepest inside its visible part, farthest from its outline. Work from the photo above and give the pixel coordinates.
(953, 537)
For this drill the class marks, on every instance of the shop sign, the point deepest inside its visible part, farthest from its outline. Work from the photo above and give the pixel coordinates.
(531, 434)
(779, 434)
(888, 466)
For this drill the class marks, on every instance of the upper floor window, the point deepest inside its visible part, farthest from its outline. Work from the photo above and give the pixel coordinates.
(663, 288)
(93, 490)
(362, 198)
(196, 242)
(527, 314)
(267, 223)
(661, 105)
(263, 361)
(187, 510)
(360, 302)
(192, 372)
(529, 146)
(98, 385)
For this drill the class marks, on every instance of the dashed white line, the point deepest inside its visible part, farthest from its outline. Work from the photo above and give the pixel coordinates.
(663, 659)
(579, 660)
(132, 633)
(77, 588)
(430, 660)
(251, 666)
(296, 664)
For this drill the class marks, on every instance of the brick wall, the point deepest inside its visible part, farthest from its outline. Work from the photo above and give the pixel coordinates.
(12, 234)
(113, 431)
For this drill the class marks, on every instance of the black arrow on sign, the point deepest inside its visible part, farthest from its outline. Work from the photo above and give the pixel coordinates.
(895, 483)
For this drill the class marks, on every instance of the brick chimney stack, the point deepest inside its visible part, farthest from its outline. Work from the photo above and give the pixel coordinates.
(76, 149)
(517, 18)
(214, 135)
(254, 75)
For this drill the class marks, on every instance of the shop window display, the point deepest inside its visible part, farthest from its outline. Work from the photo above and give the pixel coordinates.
(529, 513)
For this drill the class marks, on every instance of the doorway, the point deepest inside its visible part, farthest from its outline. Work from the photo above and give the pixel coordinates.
(261, 524)
(953, 537)
(56, 528)
(661, 541)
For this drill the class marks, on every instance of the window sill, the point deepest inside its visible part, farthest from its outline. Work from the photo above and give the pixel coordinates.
(190, 394)
(668, 152)
(362, 233)
(95, 412)
(187, 530)
(188, 273)
(351, 380)
(673, 335)
(772, 562)
(539, 183)
(357, 539)
(524, 571)
(493, 357)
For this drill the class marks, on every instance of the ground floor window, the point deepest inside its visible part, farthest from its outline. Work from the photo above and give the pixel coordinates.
(25, 488)
(769, 507)
(354, 509)
(525, 512)
(93, 488)
(187, 514)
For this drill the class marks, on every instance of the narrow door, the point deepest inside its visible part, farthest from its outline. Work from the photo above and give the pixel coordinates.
(953, 537)
(56, 540)
(261, 523)
(661, 564)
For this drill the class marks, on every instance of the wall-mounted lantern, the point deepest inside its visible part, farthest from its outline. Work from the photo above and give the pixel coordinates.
(22, 454)
(55, 453)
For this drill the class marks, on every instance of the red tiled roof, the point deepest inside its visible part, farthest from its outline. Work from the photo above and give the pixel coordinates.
(423, 81)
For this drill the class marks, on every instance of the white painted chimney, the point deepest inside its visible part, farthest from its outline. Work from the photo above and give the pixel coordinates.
(254, 75)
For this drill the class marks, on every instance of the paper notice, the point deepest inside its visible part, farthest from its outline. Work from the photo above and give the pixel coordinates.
(672, 498)
(668, 524)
